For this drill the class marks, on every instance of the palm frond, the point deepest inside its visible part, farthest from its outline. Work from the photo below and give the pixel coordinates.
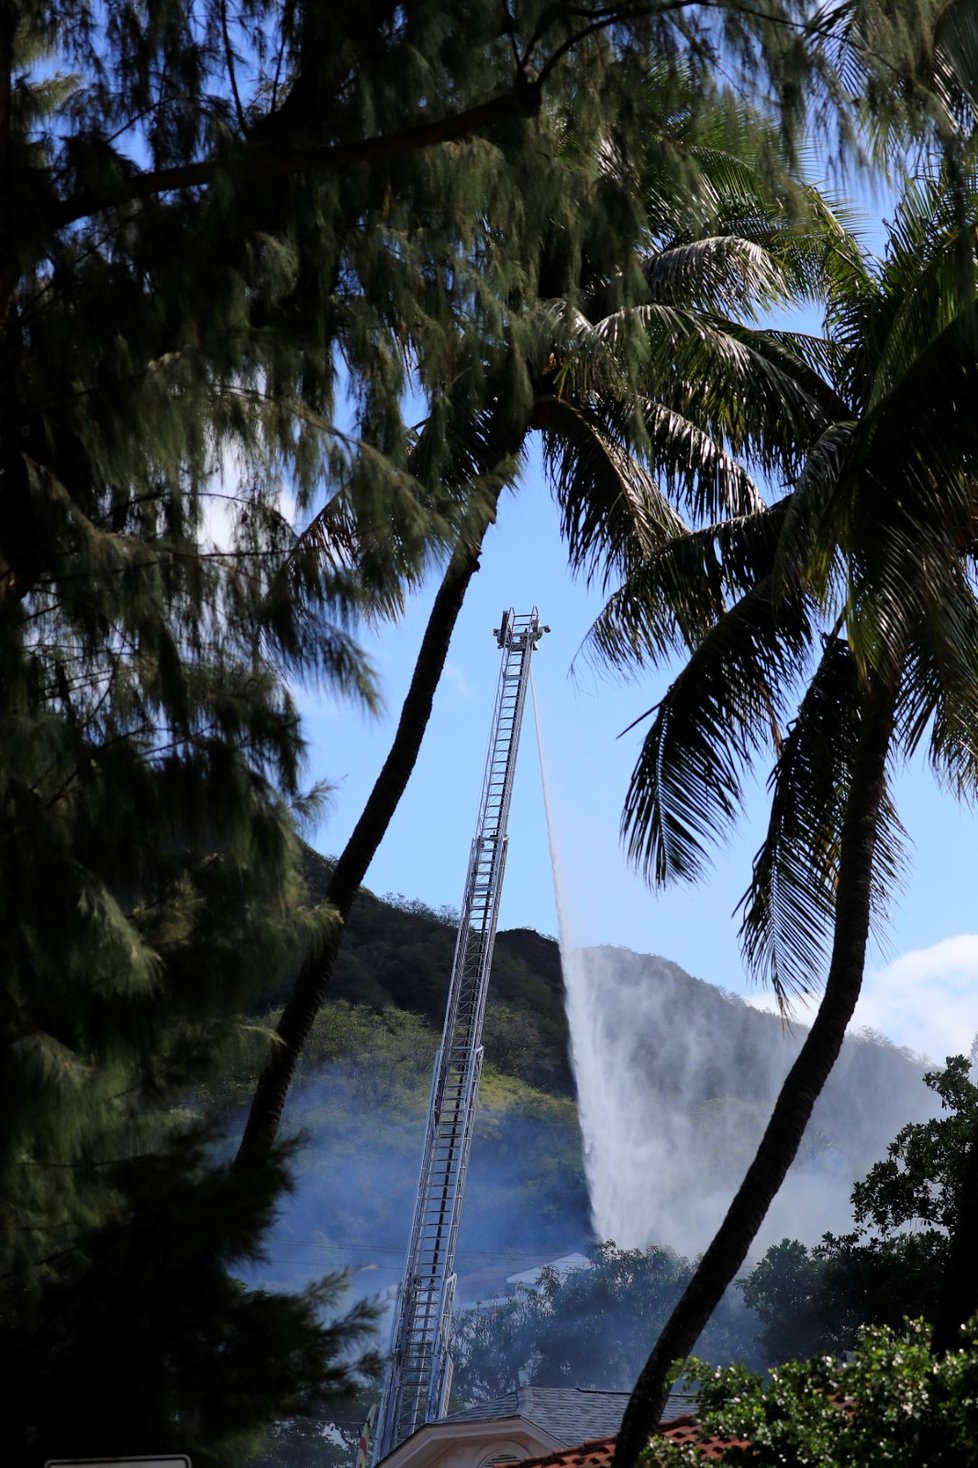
(927, 408)
(807, 549)
(693, 467)
(742, 387)
(671, 600)
(938, 296)
(690, 466)
(821, 252)
(612, 512)
(685, 790)
(941, 685)
(908, 497)
(788, 909)
(901, 584)
(820, 356)
(722, 274)
(956, 45)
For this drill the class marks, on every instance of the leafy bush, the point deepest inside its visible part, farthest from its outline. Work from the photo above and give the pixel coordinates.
(893, 1402)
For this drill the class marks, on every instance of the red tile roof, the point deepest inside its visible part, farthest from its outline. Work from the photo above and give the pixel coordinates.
(596, 1454)
(711, 1449)
(600, 1452)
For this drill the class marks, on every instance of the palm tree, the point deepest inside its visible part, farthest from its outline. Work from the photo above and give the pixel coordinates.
(851, 603)
(716, 246)
(311, 984)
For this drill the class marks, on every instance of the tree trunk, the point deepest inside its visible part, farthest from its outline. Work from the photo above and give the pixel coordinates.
(803, 1084)
(316, 972)
(957, 1300)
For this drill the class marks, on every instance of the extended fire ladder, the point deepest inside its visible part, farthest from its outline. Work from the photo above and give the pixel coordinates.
(419, 1371)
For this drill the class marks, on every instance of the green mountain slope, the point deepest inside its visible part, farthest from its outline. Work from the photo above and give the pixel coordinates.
(702, 1071)
(363, 1091)
(398, 952)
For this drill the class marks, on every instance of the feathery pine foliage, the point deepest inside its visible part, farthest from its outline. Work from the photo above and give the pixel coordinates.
(232, 237)
(147, 1340)
(298, 211)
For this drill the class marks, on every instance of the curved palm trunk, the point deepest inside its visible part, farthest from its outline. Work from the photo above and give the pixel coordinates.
(316, 972)
(801, 1088)
(958, 1297)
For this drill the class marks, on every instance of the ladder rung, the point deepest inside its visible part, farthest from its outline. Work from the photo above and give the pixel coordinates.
(431, 1254)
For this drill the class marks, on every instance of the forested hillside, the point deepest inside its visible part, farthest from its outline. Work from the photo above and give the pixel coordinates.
(365, 1080)
(363, 1092)
(399, 952)
(706, 1078)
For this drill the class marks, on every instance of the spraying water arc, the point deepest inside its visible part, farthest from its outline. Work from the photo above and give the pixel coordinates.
(598, 1101)
(675, 1081)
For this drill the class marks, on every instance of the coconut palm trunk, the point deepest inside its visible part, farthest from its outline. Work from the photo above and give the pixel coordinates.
(779, 1145)
(316, 972)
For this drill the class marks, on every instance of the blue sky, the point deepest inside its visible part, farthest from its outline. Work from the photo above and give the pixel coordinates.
(920, 984)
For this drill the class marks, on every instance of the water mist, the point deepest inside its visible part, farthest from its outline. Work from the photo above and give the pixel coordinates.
(675, 1081)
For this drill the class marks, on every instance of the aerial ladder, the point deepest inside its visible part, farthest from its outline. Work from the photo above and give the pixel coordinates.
(419, 1370)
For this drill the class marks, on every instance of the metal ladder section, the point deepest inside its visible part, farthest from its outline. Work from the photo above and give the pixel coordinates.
(419, 1371)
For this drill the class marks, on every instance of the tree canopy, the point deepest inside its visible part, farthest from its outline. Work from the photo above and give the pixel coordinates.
(240, 244)
(896, 1401)
(889, 1267)
(831, 630)
(232, 239)
(585, 1327)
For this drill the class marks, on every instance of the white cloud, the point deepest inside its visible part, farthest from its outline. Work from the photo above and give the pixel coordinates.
(453, 677)
(926, 999)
